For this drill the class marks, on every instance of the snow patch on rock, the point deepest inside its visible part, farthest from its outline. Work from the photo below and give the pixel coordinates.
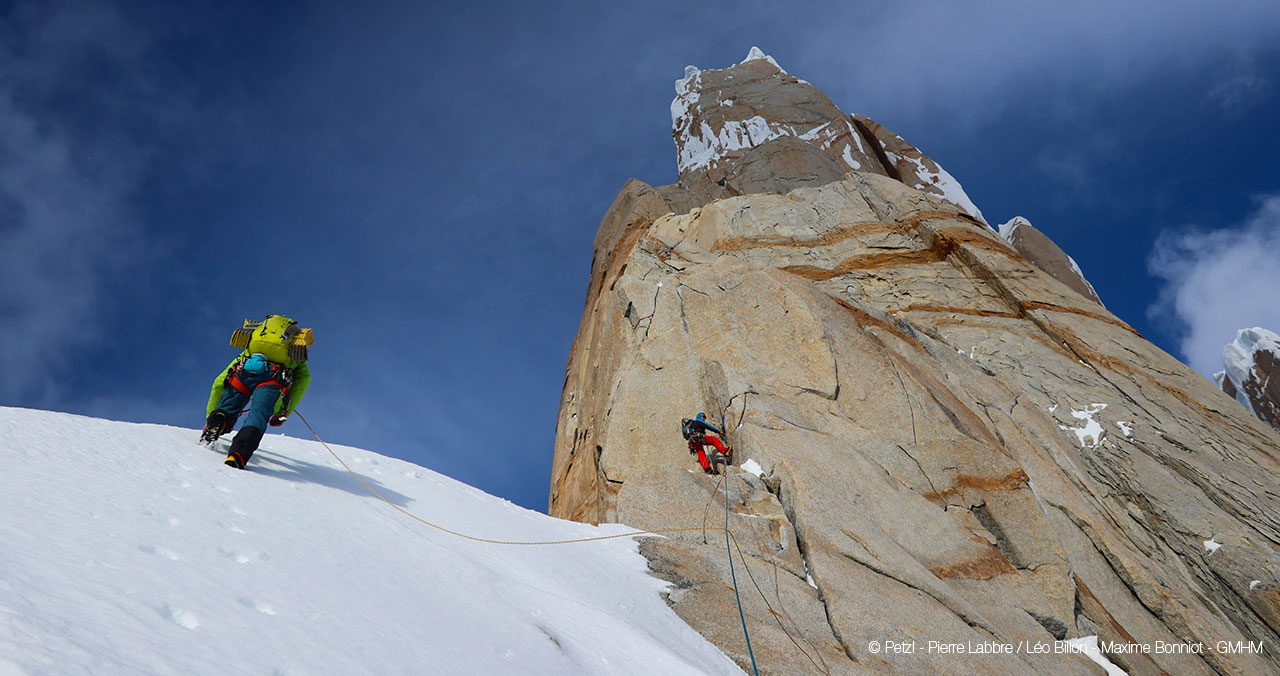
(757, 53)
(1075, 267)
(703, 146)
(1010, 226)
(687, 94)
(847, 156)
(1091, 433)
(753, 467)
(943, 181)
(1088, 646)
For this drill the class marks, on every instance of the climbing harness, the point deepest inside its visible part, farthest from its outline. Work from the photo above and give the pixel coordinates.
(281, 377)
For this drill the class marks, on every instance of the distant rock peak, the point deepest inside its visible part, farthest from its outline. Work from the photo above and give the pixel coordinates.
(1252, 372)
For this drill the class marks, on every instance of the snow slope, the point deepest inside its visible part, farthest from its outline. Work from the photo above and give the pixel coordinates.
(129, 549)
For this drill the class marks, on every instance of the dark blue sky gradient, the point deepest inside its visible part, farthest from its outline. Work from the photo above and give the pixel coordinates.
(421, 183)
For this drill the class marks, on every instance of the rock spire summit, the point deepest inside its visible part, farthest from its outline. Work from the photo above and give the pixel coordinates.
(754, 128)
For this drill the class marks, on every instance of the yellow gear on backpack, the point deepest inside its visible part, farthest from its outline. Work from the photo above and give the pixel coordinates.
(278, 338)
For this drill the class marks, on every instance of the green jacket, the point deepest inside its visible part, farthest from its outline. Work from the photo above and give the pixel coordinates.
(301, 379)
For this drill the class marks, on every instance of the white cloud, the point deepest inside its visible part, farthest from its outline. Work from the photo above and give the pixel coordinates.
(1219, 281)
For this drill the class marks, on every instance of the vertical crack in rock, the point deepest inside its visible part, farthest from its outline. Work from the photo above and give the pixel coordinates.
(742, 416)
(1002, 540)
(651, 315)
(932, 488)
(684, 320)
(788, 509)
(1056, 628)
(915, 439)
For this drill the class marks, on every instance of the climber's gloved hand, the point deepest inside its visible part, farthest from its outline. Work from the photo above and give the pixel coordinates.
(277, 420)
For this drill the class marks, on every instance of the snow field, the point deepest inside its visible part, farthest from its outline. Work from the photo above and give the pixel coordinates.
(130, 549)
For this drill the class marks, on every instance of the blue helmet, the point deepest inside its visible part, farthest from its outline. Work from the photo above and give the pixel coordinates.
(702, 417)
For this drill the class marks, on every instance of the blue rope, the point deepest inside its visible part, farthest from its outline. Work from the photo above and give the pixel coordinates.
(733, 575)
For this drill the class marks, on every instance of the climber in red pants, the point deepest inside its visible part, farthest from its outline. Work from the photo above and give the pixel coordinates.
(695, 432)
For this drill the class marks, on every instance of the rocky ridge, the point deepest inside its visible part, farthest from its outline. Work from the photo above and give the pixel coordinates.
(952, 444)
(1036, 247)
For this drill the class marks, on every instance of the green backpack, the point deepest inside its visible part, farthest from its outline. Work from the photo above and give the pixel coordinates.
(277, 338)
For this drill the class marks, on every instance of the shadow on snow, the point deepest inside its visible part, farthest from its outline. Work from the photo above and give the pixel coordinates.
(275, 465)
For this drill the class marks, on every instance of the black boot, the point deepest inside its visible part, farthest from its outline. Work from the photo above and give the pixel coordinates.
(214, 427)
(243, 446)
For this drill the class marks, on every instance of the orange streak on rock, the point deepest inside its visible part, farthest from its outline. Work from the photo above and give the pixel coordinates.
(983, 568)
(1011, 482)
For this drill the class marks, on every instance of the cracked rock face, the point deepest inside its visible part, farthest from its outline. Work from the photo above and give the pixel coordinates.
(955, 445)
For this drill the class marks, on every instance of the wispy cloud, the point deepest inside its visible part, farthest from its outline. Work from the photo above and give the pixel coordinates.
(1243, 85)
(66, 230)
(55, 246)
(968, 61)
(1219, 281)
(1070, 164)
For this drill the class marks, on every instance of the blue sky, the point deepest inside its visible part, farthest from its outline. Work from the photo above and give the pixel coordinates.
(420, 183)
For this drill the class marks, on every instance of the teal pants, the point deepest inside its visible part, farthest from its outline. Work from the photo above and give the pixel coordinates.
(261, 398)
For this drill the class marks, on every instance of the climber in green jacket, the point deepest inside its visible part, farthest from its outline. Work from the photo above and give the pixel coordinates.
(270, 375)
